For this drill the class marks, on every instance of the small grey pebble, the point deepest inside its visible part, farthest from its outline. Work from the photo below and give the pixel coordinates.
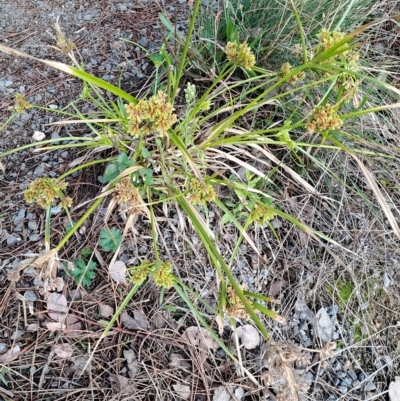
(144, 41)
(361, 376)
(335, 335)
(303, 326)
(20, 216)
(17, 334)
(221, 353)
(64, 154)
(32, 225)
(310, 376)
(55, 210)
(369, 386)
(352, 374)
(346, 382)
(336, 366)
(336, 382)
(30, 296)
(19, 228)
(342, 389)
(35, 237)
(3, 347)
(39, 170)
(12, 239)
(355, 383)
(332, 310)
(37, 282)
(341, 374)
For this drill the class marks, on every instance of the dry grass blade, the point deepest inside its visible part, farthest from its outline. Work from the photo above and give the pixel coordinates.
(379, 196)
(295, 176)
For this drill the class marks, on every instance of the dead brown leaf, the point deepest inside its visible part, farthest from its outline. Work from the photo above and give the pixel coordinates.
(73, 326)
(394, 389)
(178, 361)
(131, 361)
(139, 320)
(10, 354)
(200, 336)
(55, 326)
(202, 339)
(63, 351)
(121, 384)
(117, 271)
(57, 306)
(249, 336)
(182, 391)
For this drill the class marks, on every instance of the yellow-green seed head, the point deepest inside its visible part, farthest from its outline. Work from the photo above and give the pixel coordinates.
(163, 277)
(200, 193)
(260, 215)
(44, 191)
(240, 54)
(140, 273)
(324, 118)
(153, 116)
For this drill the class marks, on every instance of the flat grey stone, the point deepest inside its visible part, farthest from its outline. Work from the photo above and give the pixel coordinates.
(369, 386)
(323, 325)
(39, 170)
(32, 225)
(30, 296)
(20, 216)
(55, 210)
(352, 374)
(35, 237)
(144, 41)
(18, 228)
(12, 239)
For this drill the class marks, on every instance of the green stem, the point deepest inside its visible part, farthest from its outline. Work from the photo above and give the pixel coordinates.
(186, 47)
(152, 224)
(75, 228)
(47, 228)
(300, 26)
(82, 166)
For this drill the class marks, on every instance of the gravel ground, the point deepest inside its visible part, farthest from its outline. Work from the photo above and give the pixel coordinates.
(352, 372)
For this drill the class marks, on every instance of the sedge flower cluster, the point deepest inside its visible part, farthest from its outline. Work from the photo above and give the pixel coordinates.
(161, 272)
(44, 191)
(235, 306)
(240, 54)
(324, 118)
(153, 116)
(200, 193)
(261, 214)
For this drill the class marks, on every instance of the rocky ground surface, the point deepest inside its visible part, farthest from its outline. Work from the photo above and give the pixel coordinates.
(358, 369)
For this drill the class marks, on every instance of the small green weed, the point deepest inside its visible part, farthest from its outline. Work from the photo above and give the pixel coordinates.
(345, 290)
(110, 239)
(83, 270)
